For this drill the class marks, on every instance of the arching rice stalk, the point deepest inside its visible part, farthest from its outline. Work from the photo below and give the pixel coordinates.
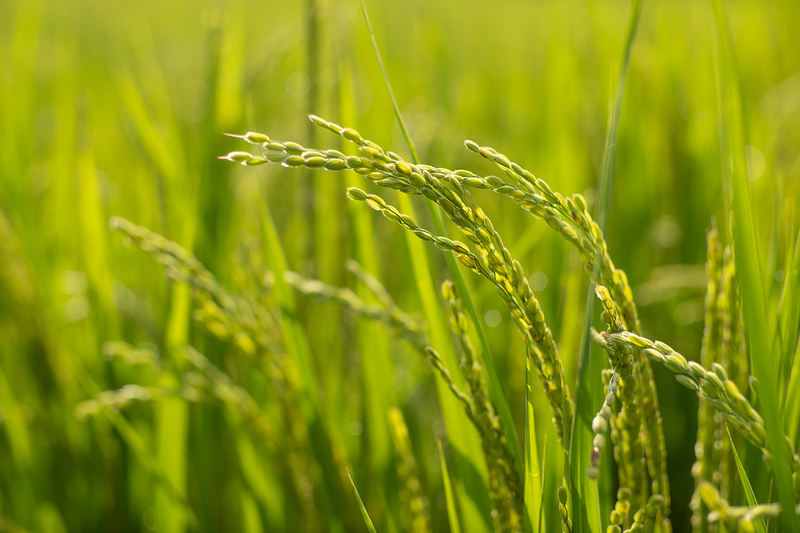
(570, 217)
(505, 487)
(629, 449)
(444, 187)
(253, 329)
(401, 323)
(713, 385)
(735, 519)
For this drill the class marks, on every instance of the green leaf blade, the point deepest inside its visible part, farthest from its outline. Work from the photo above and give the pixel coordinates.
(764, 354)
(364, 513)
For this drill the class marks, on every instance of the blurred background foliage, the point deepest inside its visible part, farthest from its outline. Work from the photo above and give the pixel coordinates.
(118, 108)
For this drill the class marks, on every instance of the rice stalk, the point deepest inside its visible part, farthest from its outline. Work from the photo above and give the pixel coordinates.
(416, 513)
(764, 352)
(444, 187)
(739, 519)
(723, 394)
(254, 331)
(708, 456)
(505, 487)
(629, 448)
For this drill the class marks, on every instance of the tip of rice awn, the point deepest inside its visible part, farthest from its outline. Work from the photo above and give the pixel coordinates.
(235, 135)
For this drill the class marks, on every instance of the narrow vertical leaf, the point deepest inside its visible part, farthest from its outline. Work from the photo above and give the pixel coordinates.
(761, 527)
(468, 459)
(377, 364)
(463, 438)
(297, 348)
(764, 354)
(585, 499)
(364, 513)
(452, 512)
(533, 479)
(495, 389)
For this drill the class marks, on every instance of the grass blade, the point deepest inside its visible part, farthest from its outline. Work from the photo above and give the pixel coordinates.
(495, 389)
(764, 356)
(452, 512)
(172, 415)
(761, 527)
(373, 341)
(468, 456)
(297, 347)
(468, 459)
(789, 319)
(586, 506)
(364, 512)
(532, 481)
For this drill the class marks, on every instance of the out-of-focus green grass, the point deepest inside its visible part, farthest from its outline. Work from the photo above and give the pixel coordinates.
(117, 108)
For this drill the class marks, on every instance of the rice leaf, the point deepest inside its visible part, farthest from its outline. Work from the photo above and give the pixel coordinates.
(469, 461)
(533, 481)
(789, 323)
(452, 512)
(495, 389)
(764, 355)
(761, 526)
(297, 348)
(364, 513)
(172, 415)
(585, 498)
(375, 368)
(542, 506)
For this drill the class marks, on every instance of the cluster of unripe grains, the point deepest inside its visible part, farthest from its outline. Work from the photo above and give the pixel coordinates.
(635, 426)
(636, 434)
(568, 216)
(449, 189)
(253, 329)
(504, 483)
(735, 519)
(627, 438)
(712, 385)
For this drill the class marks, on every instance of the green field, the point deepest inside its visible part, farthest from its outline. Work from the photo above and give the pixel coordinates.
(206, 381)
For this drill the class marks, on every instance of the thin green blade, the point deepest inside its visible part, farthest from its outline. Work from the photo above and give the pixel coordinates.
(297, 347)
(452, 512)
(585, 498)
(364, 513)
(468, 456)
(761, 527)
(764, 355)
(495, 389)
(532, 481)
